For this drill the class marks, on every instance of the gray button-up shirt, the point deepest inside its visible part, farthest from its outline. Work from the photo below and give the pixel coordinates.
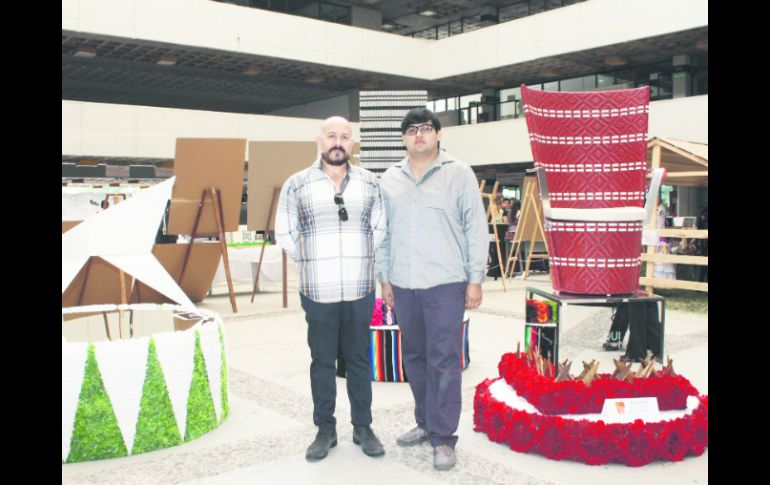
(437, 229)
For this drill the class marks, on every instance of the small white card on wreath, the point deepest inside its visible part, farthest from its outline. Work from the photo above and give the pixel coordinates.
(630, 408)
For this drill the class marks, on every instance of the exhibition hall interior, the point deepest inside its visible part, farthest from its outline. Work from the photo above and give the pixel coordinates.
(195, 243)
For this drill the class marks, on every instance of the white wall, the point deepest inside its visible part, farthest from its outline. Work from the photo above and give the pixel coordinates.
(140, 131)
(208, 24)
(681, 118)
(113, 130)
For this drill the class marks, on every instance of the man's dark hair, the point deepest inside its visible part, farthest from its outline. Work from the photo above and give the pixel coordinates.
(420, 115)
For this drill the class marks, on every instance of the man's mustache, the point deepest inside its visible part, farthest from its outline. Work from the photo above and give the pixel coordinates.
(336, 148)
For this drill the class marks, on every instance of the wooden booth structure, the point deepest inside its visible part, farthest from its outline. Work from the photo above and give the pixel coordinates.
(686, 164)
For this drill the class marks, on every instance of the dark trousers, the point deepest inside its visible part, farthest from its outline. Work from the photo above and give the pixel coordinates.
(346, 324)
(430, 321)
(619, 323)
(645, 328)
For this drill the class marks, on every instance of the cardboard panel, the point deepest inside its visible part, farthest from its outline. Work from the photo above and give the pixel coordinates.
(182, 322)
(201, 163)
(526, 229)
(198, 277)
(67, 225)
(270, 164)
(101, 287)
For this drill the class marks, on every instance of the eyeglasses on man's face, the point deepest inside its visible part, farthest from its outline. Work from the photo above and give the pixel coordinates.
(424, 129)
(342, 213)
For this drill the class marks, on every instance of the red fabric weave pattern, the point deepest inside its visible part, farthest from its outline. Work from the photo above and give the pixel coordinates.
(593, 145)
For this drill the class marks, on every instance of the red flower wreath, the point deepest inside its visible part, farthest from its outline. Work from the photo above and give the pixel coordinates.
(593, 443)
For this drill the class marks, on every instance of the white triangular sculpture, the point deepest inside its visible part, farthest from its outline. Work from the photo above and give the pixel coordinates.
(211, 348)
(73, 369)
(124, 235)
(176, 355)
(119, 363)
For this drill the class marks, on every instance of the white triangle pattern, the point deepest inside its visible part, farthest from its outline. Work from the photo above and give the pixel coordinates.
(176, 351)
(212, 355)
(123, 366)
(73, 369)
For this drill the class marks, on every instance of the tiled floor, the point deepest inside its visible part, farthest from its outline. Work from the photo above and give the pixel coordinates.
(270, 425)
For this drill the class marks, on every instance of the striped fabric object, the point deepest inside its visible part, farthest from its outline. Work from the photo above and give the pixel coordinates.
(380, 113)
(592, 145)
(385, 353)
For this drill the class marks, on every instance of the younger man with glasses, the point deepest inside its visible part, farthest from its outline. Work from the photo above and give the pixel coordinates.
(431, 266)
(330, 220)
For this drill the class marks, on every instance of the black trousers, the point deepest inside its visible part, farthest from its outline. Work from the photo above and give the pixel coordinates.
(344, 324)
(642, 317)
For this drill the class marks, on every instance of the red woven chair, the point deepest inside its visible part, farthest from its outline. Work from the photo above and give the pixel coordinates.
(590, 152)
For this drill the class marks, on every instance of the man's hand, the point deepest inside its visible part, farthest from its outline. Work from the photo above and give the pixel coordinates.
(387, 294)
(472, 296)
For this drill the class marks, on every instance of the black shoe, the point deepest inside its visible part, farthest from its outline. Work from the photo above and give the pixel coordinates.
(613, 346)
(364, 436)
(629, 359)
(318, 449)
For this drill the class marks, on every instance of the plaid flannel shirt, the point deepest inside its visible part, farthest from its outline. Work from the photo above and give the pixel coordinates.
(335, 258)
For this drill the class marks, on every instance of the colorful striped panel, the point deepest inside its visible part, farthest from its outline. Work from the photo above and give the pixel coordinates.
(385, 356)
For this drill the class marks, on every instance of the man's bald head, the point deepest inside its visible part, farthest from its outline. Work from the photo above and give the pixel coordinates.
(335, 122)
(335, 142)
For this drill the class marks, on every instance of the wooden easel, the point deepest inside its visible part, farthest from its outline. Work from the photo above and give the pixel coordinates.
(270, 215)
(216, 204)
(117, 198)
(123, 301)
(530, 208)
(491, 220)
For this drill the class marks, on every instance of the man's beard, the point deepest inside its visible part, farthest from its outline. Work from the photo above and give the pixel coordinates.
(341, 161)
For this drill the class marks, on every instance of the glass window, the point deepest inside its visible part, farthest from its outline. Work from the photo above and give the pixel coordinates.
(589, 82)
(536, 6)
(551, 86)
(451, 103)
(471, 23)
(584, 83)
(574, 84)
(604, 80)
(334, 13)
(465, 116)
(625, 76)
(474, 111)
(456, 27)
(510, 94)
(426, 34)
(429, 105)
(508, 109)
(643, 74)
(439, 105)
(701, 82)
(443, 31)
(514, 11)
(466, 101)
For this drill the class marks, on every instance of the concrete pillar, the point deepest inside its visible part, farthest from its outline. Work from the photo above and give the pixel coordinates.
(365, 18)
(354, 105)
(489, 104)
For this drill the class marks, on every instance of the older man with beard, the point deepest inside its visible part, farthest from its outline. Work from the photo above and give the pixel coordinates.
(330, 220)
